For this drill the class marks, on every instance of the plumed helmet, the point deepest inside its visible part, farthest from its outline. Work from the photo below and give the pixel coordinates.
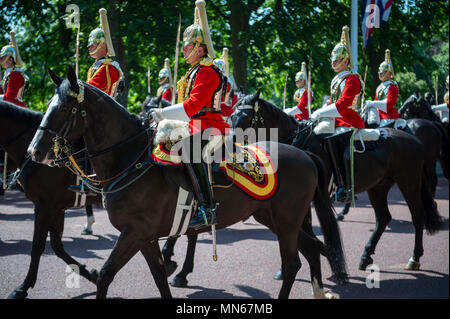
(12, 50)
(165, 72)
(386, 65)
(302, 75)
(198, 33)
(102, 34)
(342, 49)
(222, 63)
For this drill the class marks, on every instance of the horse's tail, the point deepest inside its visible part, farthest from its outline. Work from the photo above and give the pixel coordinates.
(330, 229)
(433, 221)
(445, 150)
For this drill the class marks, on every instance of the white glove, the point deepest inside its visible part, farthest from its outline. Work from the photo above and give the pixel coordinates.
(326, 111)
(156, 115)
(292, 111)
(440, 107)
(173, 112)
(381, 105)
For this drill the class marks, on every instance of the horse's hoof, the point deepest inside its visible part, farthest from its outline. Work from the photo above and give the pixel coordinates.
(87, 231)
(278, 275)
(170, 267)
(179, 282)
(18, 294)
(324, 295)
(365, 262)
(340, 217)
(412, 265)
(94, 276)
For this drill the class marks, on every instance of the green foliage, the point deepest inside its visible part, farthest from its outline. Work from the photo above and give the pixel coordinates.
(278, 37)
(409, 85)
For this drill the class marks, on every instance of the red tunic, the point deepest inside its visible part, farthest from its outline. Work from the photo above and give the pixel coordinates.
(226, 109)
(303, 107)
(391, 97)
(206, 82)
(350, 117)
(167, 95)
(104, 78)
(15, 83)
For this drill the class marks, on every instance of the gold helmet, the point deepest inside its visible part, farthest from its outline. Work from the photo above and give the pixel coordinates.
(165, 72)
(302, 75)
(102, 35)
(12, 50)
(198, 33)
(342, 49)
(386, 65)
(222, 63)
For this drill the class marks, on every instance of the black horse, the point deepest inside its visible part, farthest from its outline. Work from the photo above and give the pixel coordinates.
(427, 126)
(423, 123)
(398, 160)
(143, 211)
(180, 279)
(45, 186)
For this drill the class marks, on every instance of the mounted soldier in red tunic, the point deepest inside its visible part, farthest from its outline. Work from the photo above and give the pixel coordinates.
(442, 110)
(165, 82)
(14, 82)
(199, 104)
(382, 112)
(340, 116)
(229, 99)
(300, 111)
(105, 74)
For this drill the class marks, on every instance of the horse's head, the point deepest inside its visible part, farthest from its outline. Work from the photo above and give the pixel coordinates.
(245, 112)
(410, 108)
(64, 121)
(429, 97)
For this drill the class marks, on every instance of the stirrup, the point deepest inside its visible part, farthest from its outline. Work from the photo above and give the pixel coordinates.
(79, 189)
(203, 217)
(343, 195)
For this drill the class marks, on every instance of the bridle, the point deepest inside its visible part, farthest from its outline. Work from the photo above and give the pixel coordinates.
(61, 143)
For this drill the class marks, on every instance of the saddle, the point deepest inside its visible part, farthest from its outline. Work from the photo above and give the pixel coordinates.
(247, 166)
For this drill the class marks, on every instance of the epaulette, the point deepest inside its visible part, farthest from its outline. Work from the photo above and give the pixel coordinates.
(206, 61)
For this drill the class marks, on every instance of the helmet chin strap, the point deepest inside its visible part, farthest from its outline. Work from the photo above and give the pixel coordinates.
(98, 47)
(337, 67)
(197, 45)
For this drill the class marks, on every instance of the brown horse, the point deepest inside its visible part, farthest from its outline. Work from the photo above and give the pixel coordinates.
(399, 159)
(45, 186)
(144, 210)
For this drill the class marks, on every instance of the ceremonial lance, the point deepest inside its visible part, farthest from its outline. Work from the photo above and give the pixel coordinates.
(436, 89)
(149, 90)
(309, 85)
(73, 21)
(175, 68)
(363, 90)
(284, 93)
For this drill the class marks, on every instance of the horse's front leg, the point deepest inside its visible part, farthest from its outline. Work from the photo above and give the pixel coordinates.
(126, 247)
(188, 266)
(167, 253)
(56, 231)
(42, 219)
(152, 254)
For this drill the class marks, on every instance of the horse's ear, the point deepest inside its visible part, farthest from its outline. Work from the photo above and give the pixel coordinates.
(55, 78)
(257, 94)
(72, 77)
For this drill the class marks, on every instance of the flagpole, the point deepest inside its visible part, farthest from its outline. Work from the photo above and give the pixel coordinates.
(354, 34)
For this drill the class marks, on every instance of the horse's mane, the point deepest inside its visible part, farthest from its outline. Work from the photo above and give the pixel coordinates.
(10, 110)
(276, 113)
(65, 87)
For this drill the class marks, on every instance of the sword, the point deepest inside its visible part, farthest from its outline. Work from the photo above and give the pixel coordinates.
(149, 90)
(73, 21)
(177, 53)
(363, 90)
(284, 94)
(309, 86)
(436, 89)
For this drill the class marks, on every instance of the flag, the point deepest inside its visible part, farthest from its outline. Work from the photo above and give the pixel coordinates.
(374, 14)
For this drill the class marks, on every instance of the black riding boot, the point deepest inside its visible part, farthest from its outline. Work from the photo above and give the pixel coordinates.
(206, 214)
(336, 146)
